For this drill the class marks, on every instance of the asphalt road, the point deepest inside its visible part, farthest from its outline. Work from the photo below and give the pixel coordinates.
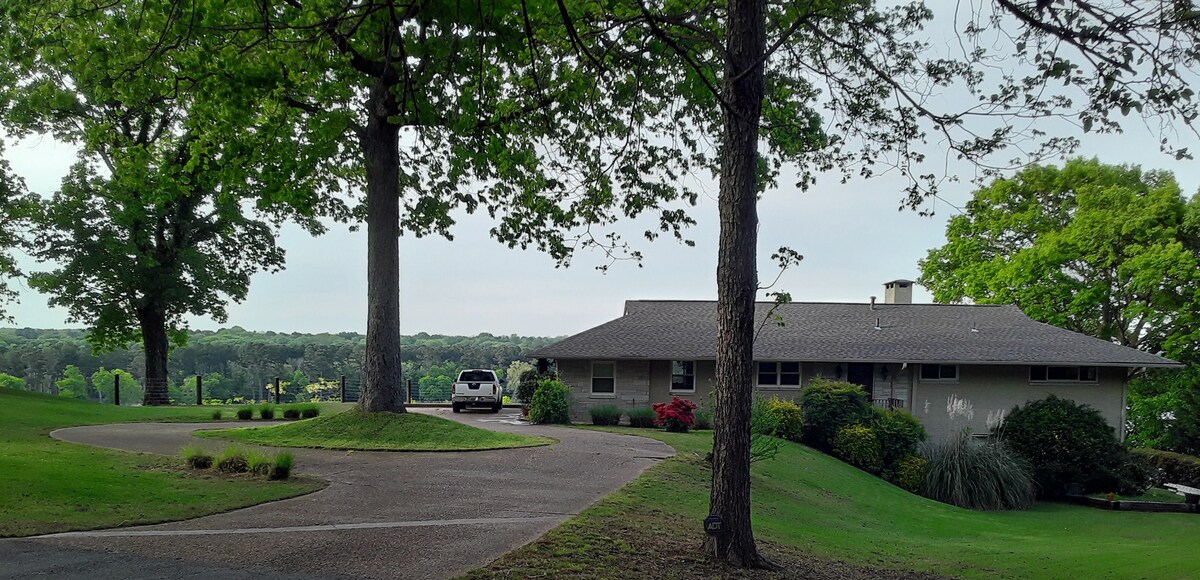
(383, 515)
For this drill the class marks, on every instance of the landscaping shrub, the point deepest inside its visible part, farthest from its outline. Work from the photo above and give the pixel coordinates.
(828, 406)
(858, 446)
(786, 419)
(1135, 475)
(763, 443)
(1172, 467)
(197, 457)
(258, 463)
(216, 415)
(266, 411)
(899, 433)
(291, 413)
(677, 416)
(1065, 443)
(551, 403)
(642, 417)
(910, 473)
(527, 385)
(309, 411)
(975, 474)
(704, 420)
(245, 413)
(233, 460)
(605, 415)
(281, 467)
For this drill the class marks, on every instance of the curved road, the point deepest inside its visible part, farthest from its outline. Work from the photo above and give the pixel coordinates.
(383, 515)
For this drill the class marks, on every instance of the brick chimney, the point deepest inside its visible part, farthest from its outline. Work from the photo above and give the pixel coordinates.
(898, 292)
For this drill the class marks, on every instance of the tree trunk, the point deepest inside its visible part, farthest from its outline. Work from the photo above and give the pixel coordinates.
(382, 389)
(153, 323)
(737, 283)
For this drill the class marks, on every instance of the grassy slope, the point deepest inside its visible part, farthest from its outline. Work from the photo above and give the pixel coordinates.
(381, 432)
(51, 486)
(810, 509)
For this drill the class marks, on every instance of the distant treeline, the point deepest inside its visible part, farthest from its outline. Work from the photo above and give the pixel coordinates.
(238, 363)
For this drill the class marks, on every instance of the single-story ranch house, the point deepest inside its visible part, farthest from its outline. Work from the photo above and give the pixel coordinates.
(951, 365)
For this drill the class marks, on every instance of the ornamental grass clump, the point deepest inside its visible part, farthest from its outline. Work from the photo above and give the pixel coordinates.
(310, 410)
(605, 415)
(197, 457)
(704, 420)
(291, 413)
(233, 460)
(281, 467)
(245, 413)
(975, 474)
(678, 416)
(258, 463)
(216, 415)
(642, 417)
(266, 411)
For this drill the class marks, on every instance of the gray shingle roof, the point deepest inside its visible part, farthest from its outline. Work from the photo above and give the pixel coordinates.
(931, 333)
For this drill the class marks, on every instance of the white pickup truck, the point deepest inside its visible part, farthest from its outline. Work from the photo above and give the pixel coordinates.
(477, 388)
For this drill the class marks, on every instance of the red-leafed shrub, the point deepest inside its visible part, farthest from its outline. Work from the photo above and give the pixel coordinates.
(677, 416)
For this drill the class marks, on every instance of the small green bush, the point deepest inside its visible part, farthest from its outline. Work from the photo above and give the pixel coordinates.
(828, 406)
(763, 444)
(233, 460)
(605, 415)
(1135, 475)
(266, 411)
(704, 420)
(1065, 443)
(910, 473)
(858, 446)
(642, 417)
(309, 411)
(551, 403)
(281, 467)
(974, 474)
(291, 413)
(1172, 467)
(197, 457)
(787, 419)
(900, 435)
(527, 385)
(245, 413)
(216, 415)
(258, 463)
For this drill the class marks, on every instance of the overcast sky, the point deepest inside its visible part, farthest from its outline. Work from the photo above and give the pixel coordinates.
(851, 235)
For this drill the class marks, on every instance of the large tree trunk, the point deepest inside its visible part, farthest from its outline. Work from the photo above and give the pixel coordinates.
(153, 323)
(737, 283)
(380, 139)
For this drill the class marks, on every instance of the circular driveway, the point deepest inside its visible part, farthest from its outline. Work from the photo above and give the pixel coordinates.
(383, 514)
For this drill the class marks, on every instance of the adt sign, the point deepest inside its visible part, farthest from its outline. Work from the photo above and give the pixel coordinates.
(714, 525)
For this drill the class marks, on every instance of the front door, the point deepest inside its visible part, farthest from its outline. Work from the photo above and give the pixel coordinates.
(862, 374)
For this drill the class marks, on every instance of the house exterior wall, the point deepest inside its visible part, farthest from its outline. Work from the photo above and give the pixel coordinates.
(989, 391)
(632, 380)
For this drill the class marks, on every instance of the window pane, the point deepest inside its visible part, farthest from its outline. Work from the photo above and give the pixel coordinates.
(1087, 373)
(689, 367)
(603, 385)
(682, 383)
(1037, 373)
(766, 367)
(791, 379)
(949, 371)
(789, 367)
(930, 371)
(766, 378)
(603, 370)
(1062, 373)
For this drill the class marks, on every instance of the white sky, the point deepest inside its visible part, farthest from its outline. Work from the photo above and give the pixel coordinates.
(852, 236)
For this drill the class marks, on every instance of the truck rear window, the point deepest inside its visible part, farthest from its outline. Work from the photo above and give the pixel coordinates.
(476, 377)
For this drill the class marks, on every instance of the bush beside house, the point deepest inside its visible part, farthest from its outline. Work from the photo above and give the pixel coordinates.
(551, 403)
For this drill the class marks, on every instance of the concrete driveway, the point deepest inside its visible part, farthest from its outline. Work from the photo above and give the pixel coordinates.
(383, 515)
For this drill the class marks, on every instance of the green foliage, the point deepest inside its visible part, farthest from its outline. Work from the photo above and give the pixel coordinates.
(309, 411)
(1172, 467)
(103, 381)
(266, 411)
(786, 419)
(910, 473)
(704, 419)
(858, 446)
(73, 382)
(197, 457)
(605, 414)
(764, 445)
(281, 467)
(291, 413)
(245, 412)
(899, 435)
(233, 460)
(10, 382)
(216, 415)
(16, 207)
(974, 474)
(527, 383)
(642, 417)
(828, 407)
(551, 403)
(436, 389)
(1064, 443)
(258, 463)
(1164, 410)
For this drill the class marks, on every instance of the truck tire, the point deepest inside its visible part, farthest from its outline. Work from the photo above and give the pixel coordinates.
(496, 407)
(456, 406)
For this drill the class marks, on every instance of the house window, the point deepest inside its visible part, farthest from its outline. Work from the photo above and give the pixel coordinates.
(1047, 374)
(604, 380)
(785, 374)
(939, 372)
(683, 375)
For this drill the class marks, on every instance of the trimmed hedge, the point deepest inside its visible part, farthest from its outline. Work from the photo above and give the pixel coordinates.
(828, 407)
(551, 403)
(858, 446)
(787, 419)
(1172, 467)
(900, 434)
(1065, 443)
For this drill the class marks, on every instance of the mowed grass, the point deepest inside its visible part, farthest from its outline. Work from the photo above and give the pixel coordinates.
(50, 486)
(824, 519)
(380, 432)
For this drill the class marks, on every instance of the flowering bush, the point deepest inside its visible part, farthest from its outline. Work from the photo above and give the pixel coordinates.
(677, 416)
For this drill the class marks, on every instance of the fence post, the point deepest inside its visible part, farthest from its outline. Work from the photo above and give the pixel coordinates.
(276, 390)
(117, 390)
(408, 391)
(199, 390)
(343, 388)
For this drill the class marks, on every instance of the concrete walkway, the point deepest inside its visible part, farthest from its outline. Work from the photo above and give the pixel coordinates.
(383, 515)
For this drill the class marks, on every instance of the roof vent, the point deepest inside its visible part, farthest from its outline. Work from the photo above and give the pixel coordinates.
(872, 303)
(898, 292)
(877, 327)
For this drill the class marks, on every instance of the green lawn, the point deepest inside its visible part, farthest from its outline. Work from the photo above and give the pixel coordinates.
(812, 513)
(51, 486)
(380, 432)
